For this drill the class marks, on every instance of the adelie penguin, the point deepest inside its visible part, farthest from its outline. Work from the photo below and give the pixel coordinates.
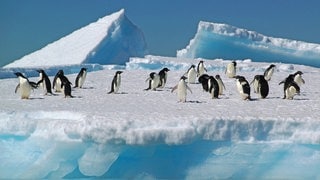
(213, 87)
(56, 84)
(243, 87)
(260, 86)
(163, 74)
(191, 74)
(201, 69)
(269, 72)
(298, 78)
(25, 86)
(182, 88)
(44, 81)
(290, 88)
(221, 84)
(115, 84)
(231, 69)
(65, 85)
(203, 79)
(81, 77)
(153, 81)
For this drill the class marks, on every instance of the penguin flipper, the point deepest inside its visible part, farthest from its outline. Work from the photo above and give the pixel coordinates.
(189, 89)
(174, 88)
(33, 84)
(17, 88)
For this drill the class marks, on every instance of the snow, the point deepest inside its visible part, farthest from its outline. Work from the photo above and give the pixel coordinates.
(137, 134)
(110, 40)
(214, 40)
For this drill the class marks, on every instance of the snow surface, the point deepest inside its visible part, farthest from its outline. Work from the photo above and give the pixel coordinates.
(110, 40)
(214, 40)
(148, 134)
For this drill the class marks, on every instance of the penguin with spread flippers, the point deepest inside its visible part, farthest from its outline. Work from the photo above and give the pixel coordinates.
(25, 86)
(290, 88)
(260, 86)
(191, 74)
(81, 77)
(153, 81)
(269, 72)
(116, 81)
(44, 81)
(182, 88)
(231, 69)
(243, 87)
(163, 74)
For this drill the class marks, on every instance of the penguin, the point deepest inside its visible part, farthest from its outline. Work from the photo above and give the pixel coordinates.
(191, 74)
(25, 86)
(269, 72)
(201, 69)
(213, 87)
(65, 86)
(203, 79)
(298, 78)
(260, 86)
(220, 83)
(153, 81)
(231, 69)
(116, 81)
(56, 84)
(182, 88)
(81, 77)
(45, 81)
(243, 87)
(290, 88)
(163, 77)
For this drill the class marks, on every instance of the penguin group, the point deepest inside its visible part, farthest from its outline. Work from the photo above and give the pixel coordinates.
(212, 84)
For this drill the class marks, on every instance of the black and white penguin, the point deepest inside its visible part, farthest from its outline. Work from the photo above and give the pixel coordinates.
(44, 81)
(65, 86)
(25, 86)
(201, 69)
(182, 88)
(56, 84)
(153, 81)
(203, 79)
(290, 88)
(163, 77)
(191, 74)
(116, 81)
(243, 87)
(213, 87)
(298, 78)
(260, 86)
(231, 69)
(81, 77)
(221, 84)
(269, 72)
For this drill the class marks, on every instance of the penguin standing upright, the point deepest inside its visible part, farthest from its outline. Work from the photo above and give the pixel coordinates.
(81, 77)
(191, 74)
(298, 78)
(182, 88)
(243, 87)
(25, 86)
(153, 81)
(231, 69)
(213, 87)
(45, 81)
(65, 86)
(203, 79)
(260, 86)
(163, 74)
(116, 81)
(220, 83)
(56, 84)
(201, 69)
(269, 72)
(290, 88)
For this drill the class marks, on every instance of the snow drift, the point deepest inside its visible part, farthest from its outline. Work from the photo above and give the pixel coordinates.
(110, 40)
(214, 40)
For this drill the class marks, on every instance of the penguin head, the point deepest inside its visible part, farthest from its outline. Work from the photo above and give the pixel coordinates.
(183, 78)
(60, 72)
(234, 63)
(119, 72)
(298, 72)
(83, 69)
(165, 69)
(240, 78)
(19, 74)
(192, 66)
(272, 65)
(152, 75)
(218, 76)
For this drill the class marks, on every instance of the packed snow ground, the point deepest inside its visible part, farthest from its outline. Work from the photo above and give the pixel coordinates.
(93, 132)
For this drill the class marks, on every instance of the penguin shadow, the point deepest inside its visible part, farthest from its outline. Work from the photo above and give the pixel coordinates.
(35, 98)
(86, 88)
(119, 93)
(195, 102)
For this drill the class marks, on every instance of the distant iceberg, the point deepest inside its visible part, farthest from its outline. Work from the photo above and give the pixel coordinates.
(214, 40)
(110, 40)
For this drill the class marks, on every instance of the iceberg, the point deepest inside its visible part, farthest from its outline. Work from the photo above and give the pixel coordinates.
(213, 40)
(110, 40)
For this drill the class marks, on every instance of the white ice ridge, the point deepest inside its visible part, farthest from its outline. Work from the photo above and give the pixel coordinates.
(87, 43)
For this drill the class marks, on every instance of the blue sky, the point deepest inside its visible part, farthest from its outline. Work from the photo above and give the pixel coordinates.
(168, 25)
